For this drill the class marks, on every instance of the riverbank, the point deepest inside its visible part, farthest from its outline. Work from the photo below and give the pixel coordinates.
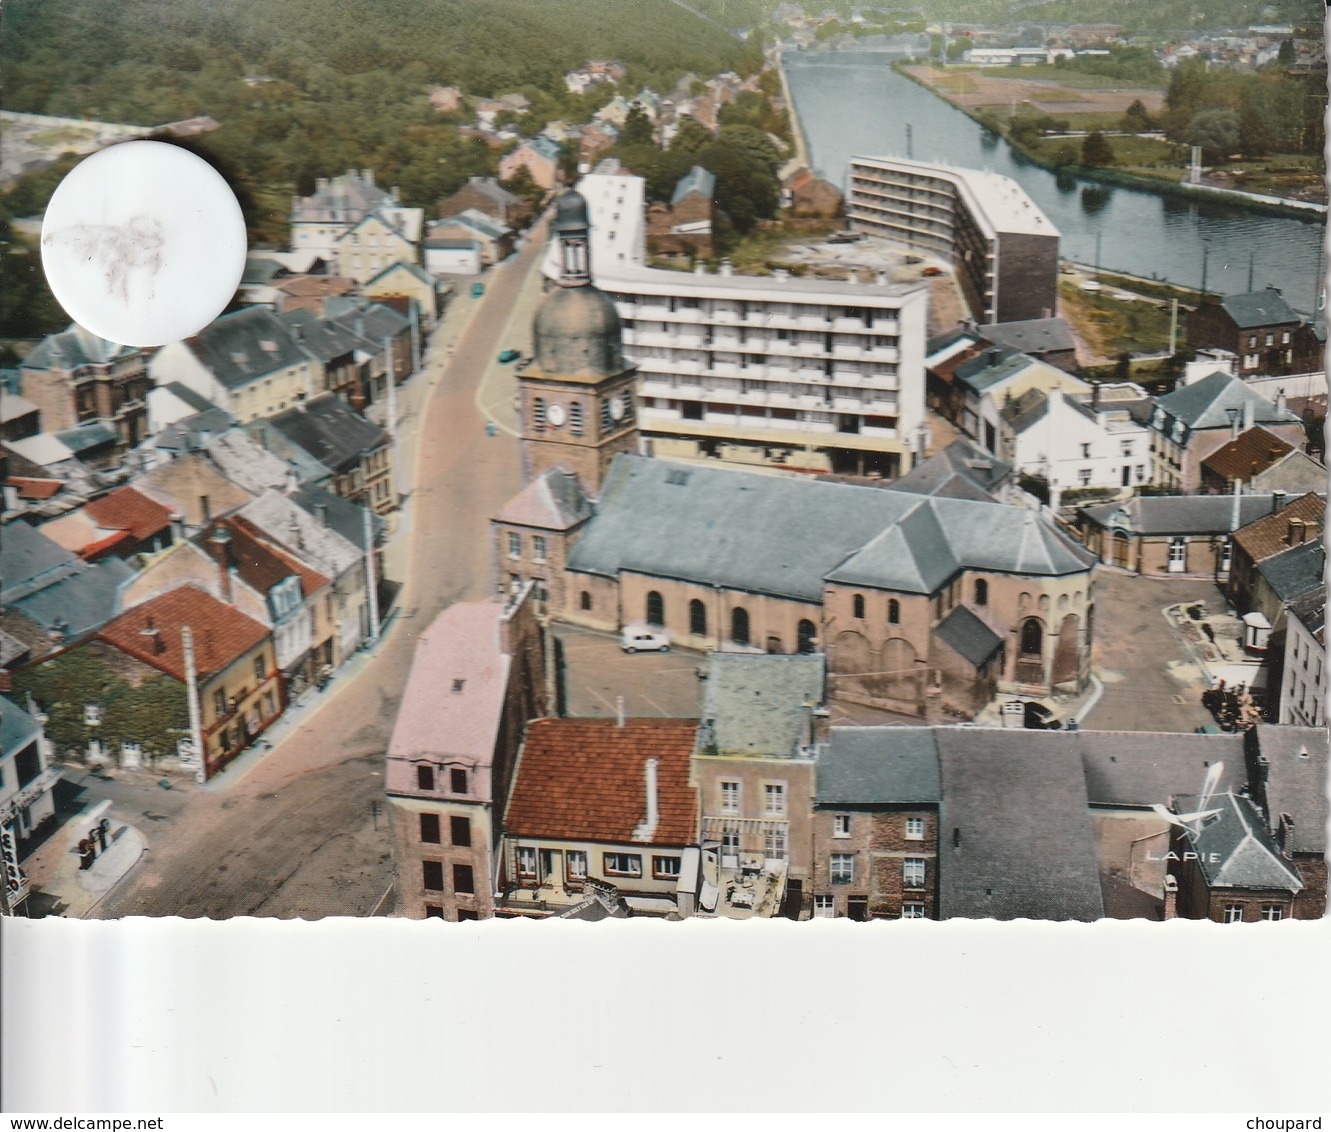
(801, 158)
(1255, 202)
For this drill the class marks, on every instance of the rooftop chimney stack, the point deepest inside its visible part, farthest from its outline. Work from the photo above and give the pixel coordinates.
(1280, 401)
(652, 808)
(1247, 416)
(219, 545)
(619, 711)
(1277, 500)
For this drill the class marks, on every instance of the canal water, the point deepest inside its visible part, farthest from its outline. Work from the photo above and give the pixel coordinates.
(854, 104)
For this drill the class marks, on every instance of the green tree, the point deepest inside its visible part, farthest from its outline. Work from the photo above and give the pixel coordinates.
(1096, 150)
(1217, 132)
(637, 128)
(691, 137)
(1136, 118)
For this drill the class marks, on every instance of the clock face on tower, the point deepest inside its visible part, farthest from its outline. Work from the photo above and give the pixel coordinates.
(555, 415)
(617, 408)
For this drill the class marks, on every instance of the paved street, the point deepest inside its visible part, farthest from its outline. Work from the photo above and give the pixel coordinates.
(299, 831)
(1151, 682)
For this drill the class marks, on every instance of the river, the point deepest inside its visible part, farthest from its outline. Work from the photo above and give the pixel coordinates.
(854, 104)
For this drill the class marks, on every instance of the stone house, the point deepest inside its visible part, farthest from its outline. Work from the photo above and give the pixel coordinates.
(539, 156)
(486, 195)
(1259, 327)
(75, 378)
(685, 225)
(805, 194)
(1262, 462)
(476, 679)
(601, 804)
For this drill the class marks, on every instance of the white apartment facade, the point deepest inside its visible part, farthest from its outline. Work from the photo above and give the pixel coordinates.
(803, 375)
(1303, 680)
(1003, 248)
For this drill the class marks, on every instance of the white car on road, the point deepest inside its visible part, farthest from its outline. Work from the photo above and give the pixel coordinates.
(644, 638)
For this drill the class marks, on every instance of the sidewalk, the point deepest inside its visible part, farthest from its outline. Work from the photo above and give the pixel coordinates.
(78, 891)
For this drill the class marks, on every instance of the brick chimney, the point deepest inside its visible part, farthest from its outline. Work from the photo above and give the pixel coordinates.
(219, 546)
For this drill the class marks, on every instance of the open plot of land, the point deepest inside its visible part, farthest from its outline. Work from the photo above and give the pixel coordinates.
(1050, 96)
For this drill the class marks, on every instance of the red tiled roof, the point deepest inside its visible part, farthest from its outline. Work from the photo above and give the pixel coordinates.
(262, 563)
(222, 634)
(585, 779)
(1269, 535)
(35, 489)
(1248, 454)
(127, 509)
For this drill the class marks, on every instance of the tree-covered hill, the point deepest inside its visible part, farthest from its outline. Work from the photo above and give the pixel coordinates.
(336, 84)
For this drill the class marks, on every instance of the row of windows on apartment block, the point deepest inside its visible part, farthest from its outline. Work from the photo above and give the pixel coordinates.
(774, 805)
(702, 410)
(665, 866)
(827, 339)
(740, 308)
(542, 419)
(457, 777)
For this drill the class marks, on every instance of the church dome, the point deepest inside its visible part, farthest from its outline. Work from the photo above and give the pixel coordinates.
(570, 212)
(578, 334)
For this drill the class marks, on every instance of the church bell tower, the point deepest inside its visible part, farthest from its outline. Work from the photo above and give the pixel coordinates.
(576, 398)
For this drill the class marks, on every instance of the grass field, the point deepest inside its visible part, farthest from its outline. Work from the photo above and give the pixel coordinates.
(1068, 78)
(1112, 326)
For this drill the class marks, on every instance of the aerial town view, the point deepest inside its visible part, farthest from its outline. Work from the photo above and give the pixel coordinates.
(758, 459)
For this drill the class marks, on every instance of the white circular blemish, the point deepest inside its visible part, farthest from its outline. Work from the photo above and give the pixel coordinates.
(143, 243)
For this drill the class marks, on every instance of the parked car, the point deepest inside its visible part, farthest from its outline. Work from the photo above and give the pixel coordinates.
(644, 638)
(509, 356)
(932, 271)
(477, 290)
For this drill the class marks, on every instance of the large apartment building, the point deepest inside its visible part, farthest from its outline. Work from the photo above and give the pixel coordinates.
(808, 375)
(802, 374)
(1003, 248)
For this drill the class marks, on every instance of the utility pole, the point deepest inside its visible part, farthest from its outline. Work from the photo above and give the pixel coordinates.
(1206, 251)
(910, 142)
(1173, 323)
(1250, 260)
(371, 575)
(195, 714)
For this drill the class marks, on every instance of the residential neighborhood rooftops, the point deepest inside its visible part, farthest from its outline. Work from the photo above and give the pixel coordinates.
(1248, 454)
(696, 180)
(959, 471)
(29, 559)
(17, 727)
(1015, 833)
(1259, 308)
(1295, 572)
(330, 430)
(245, 345)
(1032, 335)
(454, 698)
(586, 780)
(554, 500)
(190, 485)
(284, 521)
(77, 602)
(760, 705)
(1296, 782)
(151, 632)
(1178, 514)
(1235, 849)
(1268, 533)
(75, 347)
(1138, 769)
(1206, 403)
(879, 765)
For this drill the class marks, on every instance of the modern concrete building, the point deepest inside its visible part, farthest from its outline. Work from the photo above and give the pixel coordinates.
(1003, 248)
(805, 375)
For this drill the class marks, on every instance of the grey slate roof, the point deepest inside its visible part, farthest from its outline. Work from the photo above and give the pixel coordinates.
(196, 401)
(1138, 769)
(1236, 850)
(245, 345)
(968, 636)
(343, 516)
(696, 180)
(72, 348)
(1015, 833)
(1259, 308)
(192, 433)
(1032, 335)
(240, 458)
(1295, 572)
(82, 601)
(1296, 784)
(330, 431)
(759, 705)
(1310, 609)
(1205, 403)
(28, 560)
(866, 766)
(374, 321)
(714, 525)
(283, 519)
(960, 471)
(81, 438)
(324, 340)
(17, 727)
(987, 369)
(1180, 514)
(305, 467)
